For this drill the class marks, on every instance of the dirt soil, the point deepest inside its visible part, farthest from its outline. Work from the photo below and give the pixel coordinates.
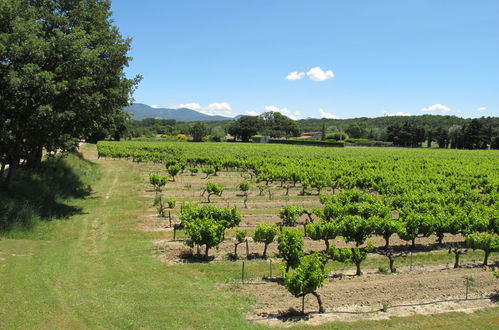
(427, 290)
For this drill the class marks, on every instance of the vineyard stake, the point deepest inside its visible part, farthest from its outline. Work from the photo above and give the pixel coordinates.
(270, 268)
(242, 274)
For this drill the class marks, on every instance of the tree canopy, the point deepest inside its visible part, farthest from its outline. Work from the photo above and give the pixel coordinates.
(61, 72)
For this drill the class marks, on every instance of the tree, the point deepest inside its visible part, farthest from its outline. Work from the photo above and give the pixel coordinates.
(171, 205)
(244, 127)
(62, 76)
(289, 214)
(356, 255)
(213, 188)
(325, 230)
(173, 171)
(240, 238)
(198, 131)
(206, 225)
(290, 246)
(357, 229)
(204, 231)
(277, 125)
(158, 181)
(265, 234)
(309, 276)
(245, 187)
(386, 227)
(487, 242)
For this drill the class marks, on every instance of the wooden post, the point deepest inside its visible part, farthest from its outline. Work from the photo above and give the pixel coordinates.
(270, 268)
(303, 304)
(242, 274)
(174, 232)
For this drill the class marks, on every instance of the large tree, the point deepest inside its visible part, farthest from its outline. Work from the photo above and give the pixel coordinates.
(278, 125)
(61, 72)
(244, 128)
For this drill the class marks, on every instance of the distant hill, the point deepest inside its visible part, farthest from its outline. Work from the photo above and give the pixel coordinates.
(141, 111)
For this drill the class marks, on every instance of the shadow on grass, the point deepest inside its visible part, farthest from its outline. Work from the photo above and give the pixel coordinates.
(42, 194)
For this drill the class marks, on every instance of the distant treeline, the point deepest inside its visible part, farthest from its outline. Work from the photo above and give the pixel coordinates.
(411, 131)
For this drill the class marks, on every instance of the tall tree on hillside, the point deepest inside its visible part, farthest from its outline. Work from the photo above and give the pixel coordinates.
(61, 72)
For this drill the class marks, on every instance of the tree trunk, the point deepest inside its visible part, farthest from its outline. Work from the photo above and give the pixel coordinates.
(456, 263)
(391, 265)
(357, 264)
(235, 250)
(287, 267)
(319, 301)
(10, 174)
(209, 201)
(245, 201)
(265, 251)
(170, 218)
(413, 243)
(206, 252)
(387, 241)
(485, 260)
(35, 157)
(247, 249)
(327, 244)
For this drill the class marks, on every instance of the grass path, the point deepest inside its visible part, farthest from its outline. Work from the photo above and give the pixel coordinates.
(97, 270)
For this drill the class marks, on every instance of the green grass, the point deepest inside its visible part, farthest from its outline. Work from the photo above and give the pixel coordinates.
(97, 269)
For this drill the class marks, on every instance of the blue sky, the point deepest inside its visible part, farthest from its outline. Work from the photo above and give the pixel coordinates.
(352, 58)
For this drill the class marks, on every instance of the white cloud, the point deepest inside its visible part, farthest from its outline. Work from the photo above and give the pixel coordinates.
(251, 113)
(212, 109)
(327, 115)
(437, 108)
(284, 111)
(317, 74)
(400, 113)
(295, 75)
(481, 109)
(155, 106)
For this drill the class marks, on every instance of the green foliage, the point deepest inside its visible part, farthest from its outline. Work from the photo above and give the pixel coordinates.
(62, 77)
(355, 255)
(308, 276)
(171, 203)
(205, 225)
(357, 229)
(208, 171)
(241, 235)
(244, 128)
(158, 181)
(289, 214)
(265, 233)
(213, 188)
(338, 136)
(324, 230)
(290, 246)
(245, 186)
(199, 131)
(173, 170)
(488, 242)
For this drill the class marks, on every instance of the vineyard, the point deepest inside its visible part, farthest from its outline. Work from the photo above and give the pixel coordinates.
(318, 213)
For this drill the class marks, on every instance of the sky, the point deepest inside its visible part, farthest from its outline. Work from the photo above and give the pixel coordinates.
(315, 59)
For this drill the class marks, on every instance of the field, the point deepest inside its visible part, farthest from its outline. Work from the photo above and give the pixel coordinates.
(117, 265)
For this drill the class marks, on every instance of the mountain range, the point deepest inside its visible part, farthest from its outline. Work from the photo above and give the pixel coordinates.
(141, 111)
